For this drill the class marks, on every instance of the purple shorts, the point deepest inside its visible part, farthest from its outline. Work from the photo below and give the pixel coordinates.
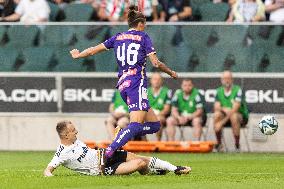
(134, 93)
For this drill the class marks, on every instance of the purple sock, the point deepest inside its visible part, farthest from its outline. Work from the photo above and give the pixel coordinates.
(150, 127)
(126, 134)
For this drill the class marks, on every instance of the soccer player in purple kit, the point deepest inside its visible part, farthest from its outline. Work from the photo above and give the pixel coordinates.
(131, 49)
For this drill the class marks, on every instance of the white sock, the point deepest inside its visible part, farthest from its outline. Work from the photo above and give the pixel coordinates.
(156, 163)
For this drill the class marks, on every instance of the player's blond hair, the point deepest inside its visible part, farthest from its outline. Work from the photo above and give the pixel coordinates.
(61, 127)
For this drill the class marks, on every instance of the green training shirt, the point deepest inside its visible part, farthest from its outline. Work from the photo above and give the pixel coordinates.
(189, 104)
(157, 102)
(119, 104)
(236, 94)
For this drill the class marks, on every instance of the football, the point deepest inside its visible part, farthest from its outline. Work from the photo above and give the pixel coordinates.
(268, 125)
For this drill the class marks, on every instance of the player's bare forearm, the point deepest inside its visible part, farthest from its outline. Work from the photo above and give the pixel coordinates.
(175, 112)
(75, 53)
(236, 107)
(197, 113)
(158, 64)
(167, 70)
(48, 171)
(166, 110)
(217, 106)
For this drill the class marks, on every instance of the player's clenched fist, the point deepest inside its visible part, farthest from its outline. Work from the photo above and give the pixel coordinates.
(75, 53)
(174, 75)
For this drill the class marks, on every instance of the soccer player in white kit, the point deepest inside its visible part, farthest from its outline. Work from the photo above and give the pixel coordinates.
(75, 155)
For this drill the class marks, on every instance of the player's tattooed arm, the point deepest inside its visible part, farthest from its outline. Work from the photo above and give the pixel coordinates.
(48, 171)
(75, 53)
(158, 64)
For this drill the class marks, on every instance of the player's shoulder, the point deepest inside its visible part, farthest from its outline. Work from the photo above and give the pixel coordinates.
(165, 88)
(236, 87)
(178, 92)
(60, 150)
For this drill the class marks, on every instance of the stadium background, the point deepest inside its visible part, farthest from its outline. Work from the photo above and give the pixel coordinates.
(40, 83)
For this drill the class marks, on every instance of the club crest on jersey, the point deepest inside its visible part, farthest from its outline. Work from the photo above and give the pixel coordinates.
(85, 151)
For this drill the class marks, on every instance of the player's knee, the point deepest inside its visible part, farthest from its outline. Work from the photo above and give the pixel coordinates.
(123, 122)
(110, 121)
(217, 115)
(171, 122)
(140, 163)
(196, 122)
(234, 115)
(161, 118)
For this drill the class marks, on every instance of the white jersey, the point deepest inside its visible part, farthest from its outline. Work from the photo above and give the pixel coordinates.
(77, 157)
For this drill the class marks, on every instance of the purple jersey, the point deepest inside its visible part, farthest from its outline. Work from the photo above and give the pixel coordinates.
(131, 50)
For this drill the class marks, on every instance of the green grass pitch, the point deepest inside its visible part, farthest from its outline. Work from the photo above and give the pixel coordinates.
(222, 171)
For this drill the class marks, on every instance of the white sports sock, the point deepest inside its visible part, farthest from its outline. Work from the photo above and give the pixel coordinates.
(156, 163)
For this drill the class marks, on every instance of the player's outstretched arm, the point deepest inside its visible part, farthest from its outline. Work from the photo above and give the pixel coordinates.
(75, 53)
(156, 63)
(48, 171)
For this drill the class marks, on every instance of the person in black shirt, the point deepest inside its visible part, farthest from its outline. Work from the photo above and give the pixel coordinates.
(175, 10)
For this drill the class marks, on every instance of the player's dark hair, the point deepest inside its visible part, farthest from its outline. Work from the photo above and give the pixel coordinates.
(135, 16)
(61, 127)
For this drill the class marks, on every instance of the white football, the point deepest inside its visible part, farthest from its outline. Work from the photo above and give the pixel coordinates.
(268, 125)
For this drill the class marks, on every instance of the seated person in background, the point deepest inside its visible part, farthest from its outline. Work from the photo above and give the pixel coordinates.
(30, 11)
(247, 11)
(113, 10)
(119, 115)
(276, 10)
(148, 8)
(175, 10)
(160, 100)
(229, 109)
(187, 109)
(75, 155)
(7, 7)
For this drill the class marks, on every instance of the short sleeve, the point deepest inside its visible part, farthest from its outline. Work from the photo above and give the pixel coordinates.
(175, 100)
(109, 43)
(198, 101)
(20, 8)
(149, 46)
(56, 161)
(44, 11)
(113, 97)
(168, 97)
(268, 2)
(238, 97)
(217, 99)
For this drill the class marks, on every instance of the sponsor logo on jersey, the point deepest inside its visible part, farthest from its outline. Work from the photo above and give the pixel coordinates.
(124, 85)
(85, 151)
(61, 148)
